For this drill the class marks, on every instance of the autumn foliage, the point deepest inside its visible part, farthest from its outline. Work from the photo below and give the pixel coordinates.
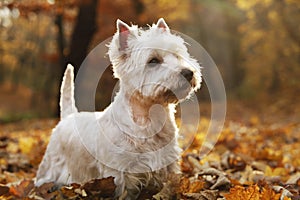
(251, 160)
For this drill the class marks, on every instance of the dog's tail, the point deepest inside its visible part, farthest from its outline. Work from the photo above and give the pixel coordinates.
(67, 101)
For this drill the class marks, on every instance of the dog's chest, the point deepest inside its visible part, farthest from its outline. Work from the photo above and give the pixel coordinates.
(138, 141)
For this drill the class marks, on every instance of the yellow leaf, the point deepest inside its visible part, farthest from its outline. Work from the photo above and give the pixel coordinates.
(279, 171)
(12, 147)
(26, 144)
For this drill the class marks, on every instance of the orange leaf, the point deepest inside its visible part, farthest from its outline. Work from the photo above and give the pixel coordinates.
(196, 186)
(241, 193)
(187, 186)
(23, 189)
(269, 194)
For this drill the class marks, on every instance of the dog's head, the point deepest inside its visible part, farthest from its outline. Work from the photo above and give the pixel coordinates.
(153, 64)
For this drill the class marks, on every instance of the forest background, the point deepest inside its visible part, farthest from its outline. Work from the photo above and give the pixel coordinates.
(255, 44)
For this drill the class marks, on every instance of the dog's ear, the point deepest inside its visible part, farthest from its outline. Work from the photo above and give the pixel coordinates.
(162, 24)
(124, 31)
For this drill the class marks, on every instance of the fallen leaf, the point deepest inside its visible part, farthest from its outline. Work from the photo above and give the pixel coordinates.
(278, 171)
(23, 189)
(47, 191)
(100, 187)
(220, 179)
(68, 192)
(268, 194)
(284, 192)
(294, 179)
(3, 189)
(203, 195)
(242, 193)
(26, 144)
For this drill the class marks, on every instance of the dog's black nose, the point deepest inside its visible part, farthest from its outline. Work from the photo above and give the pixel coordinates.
(188, 74)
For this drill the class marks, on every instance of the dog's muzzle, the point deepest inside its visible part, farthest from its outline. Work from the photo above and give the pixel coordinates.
(187, 83)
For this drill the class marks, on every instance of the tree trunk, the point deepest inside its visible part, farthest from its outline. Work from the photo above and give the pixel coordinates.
(84, 29)
(83, 32)
(60, 41)
(138, 7)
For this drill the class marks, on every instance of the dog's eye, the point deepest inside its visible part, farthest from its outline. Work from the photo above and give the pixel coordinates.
(153, 62)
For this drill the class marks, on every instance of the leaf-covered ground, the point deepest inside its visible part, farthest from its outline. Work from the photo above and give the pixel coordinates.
(253, 159)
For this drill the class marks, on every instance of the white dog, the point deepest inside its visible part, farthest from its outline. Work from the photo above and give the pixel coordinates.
(135, 138)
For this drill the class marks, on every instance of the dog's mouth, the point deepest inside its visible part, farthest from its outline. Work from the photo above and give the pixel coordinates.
(172, 94)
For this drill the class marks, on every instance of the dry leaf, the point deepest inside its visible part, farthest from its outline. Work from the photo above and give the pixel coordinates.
(241, 193)
(26, 144)
(245, 154)
(100, 187)
(215, 177)
(269, 194)
(3, 189)
(23, 189)
(203, 195)
(47, 191)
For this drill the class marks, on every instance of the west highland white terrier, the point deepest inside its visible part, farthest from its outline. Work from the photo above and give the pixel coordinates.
(134, 139)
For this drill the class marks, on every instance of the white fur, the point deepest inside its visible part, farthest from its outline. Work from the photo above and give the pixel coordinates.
(135, 138)
(67, 101)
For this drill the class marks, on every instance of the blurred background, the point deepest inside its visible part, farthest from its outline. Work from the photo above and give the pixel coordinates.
(255, 44)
